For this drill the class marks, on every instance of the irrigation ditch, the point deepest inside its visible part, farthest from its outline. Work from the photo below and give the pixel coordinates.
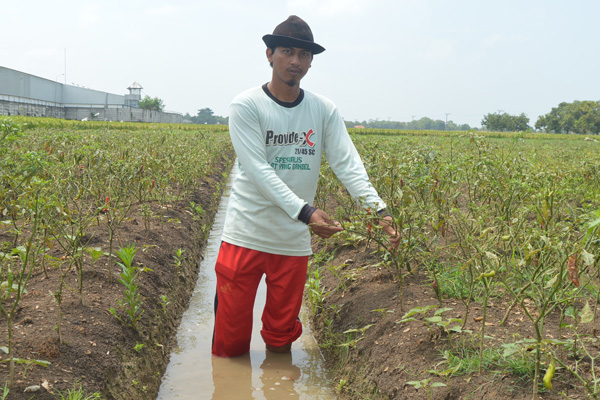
(193, 373)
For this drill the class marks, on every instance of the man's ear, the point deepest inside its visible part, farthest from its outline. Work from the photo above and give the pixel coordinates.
(270, 54)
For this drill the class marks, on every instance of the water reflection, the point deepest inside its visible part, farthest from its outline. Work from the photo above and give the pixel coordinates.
(232, 377)
(278, 376)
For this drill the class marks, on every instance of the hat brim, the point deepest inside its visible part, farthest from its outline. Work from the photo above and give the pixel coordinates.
(288, 41)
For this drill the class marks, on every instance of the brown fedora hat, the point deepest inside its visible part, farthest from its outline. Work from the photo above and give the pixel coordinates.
(293, 32)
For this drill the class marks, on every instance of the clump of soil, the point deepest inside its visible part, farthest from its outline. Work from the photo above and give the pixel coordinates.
(97, 350)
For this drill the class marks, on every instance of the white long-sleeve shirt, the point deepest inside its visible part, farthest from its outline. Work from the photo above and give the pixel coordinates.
(279, 147)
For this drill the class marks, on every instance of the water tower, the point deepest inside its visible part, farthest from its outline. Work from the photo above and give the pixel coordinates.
(135, 95)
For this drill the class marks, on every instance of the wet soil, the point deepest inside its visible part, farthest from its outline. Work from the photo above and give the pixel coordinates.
(379, 362)
(97, 351)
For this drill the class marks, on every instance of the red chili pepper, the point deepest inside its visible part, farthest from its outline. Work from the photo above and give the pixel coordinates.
(104, 210)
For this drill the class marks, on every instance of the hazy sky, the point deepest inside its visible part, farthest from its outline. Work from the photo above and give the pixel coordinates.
(385, 59)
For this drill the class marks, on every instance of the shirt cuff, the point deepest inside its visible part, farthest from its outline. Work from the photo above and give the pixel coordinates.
(383, 213)
(305, 214)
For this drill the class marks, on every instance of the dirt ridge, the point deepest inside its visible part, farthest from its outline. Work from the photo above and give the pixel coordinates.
(97, 352)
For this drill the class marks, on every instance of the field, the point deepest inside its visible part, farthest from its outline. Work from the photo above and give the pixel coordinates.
(100, 238)
(493, 293)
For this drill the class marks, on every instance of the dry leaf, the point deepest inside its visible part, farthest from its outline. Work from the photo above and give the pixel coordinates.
(477, 319)
(46, 386)
(386, 369)
(32, 388)
(573, 269)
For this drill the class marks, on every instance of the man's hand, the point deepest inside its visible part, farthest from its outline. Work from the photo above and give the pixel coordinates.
(322, 225)
(387, 224)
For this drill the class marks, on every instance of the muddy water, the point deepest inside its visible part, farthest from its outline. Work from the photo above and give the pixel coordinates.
(193, 373)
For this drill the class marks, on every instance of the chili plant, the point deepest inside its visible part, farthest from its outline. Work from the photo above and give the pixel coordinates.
(15, 270)
(131, 304)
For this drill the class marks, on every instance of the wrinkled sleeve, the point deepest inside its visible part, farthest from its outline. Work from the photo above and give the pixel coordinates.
(345, 162)
(249, 143)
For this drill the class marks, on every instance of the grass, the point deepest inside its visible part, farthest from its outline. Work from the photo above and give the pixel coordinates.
(461, 357)
(77, 393)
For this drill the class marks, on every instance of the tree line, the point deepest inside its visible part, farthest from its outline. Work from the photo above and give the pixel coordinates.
(423, 124)
(579, 117)
(204, 116)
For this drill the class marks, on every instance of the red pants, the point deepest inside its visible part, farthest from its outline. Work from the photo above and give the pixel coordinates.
(239, 271)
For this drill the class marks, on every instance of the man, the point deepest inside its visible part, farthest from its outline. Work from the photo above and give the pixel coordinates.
(279, 132)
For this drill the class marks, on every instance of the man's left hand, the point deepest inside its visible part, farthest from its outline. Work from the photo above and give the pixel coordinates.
(388, 226)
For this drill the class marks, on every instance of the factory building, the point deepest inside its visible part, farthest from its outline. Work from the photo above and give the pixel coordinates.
(25, 94)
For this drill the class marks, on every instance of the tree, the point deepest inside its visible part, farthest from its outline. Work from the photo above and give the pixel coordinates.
(505, 122)
(205, 116)
(152, 103)
(576, 117)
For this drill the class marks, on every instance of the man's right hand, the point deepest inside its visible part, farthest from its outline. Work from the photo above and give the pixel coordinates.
(322, 225)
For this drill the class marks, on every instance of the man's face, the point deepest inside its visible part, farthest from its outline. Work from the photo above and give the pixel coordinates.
(290, 64)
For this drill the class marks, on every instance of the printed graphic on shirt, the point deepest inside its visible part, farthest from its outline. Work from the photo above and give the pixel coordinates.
(289, 139)
(290, 163)
(305, 147)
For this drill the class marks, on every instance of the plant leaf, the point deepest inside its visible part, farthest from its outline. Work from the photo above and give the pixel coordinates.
(587, 315)
(587, 258)
(493, 258)
(441, 310)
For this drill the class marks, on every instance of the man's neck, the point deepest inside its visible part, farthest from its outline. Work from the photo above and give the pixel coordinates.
(283, 92)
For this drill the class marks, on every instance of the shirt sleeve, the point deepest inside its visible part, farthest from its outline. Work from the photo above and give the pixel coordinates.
(249, 144)
(347, 165)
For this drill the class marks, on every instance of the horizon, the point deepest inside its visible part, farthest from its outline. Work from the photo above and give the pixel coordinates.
(385, 60)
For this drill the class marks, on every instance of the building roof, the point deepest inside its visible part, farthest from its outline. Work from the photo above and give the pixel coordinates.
(135, 85)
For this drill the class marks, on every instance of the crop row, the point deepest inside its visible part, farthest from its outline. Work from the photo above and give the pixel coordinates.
(63, 182)
(486, 134)
(513, 218)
